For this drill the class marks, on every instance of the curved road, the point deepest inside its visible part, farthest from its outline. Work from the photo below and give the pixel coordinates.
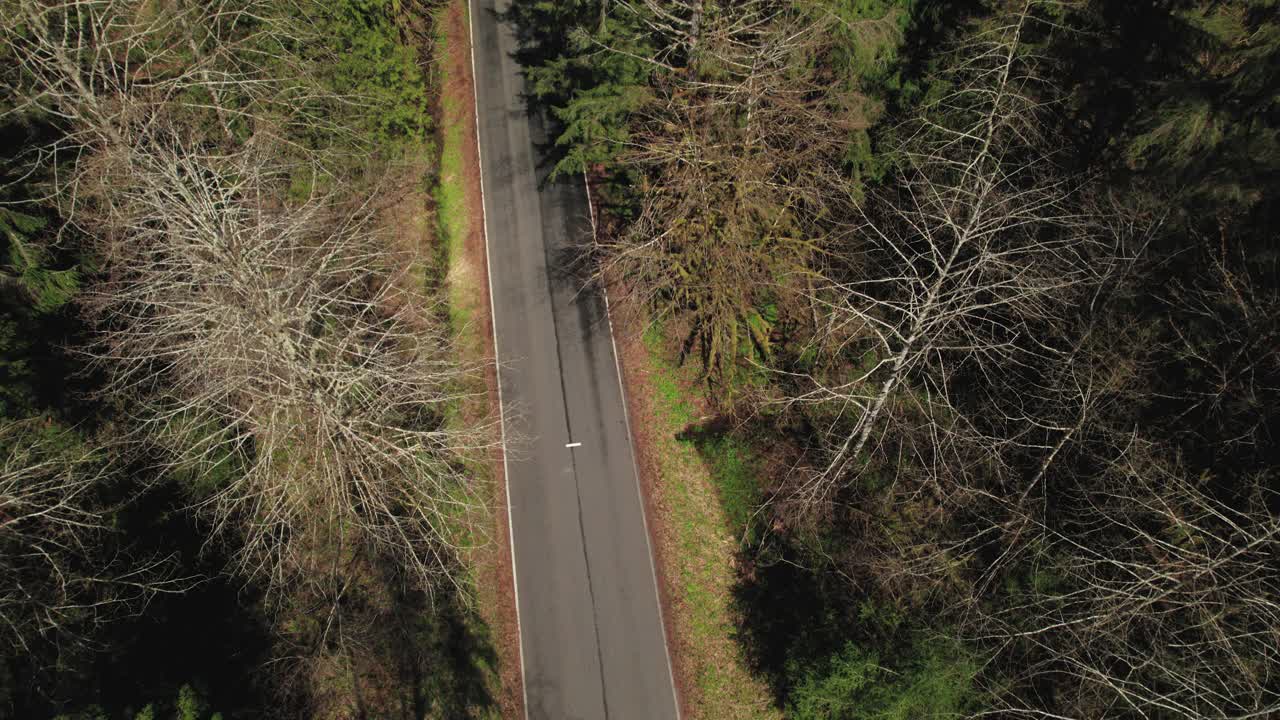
(591, 636)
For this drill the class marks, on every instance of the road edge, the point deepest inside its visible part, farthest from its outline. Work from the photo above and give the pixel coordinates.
(497, 365)
(659, 578)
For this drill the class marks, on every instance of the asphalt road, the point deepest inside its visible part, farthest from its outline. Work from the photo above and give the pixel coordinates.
(591, 635)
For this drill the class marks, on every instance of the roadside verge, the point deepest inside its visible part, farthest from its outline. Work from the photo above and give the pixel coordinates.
(460, 204)
(691, 535)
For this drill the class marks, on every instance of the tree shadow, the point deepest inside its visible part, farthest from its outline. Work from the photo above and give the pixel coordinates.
(788, 614)
(212, 637)
(790, 610)
(449, 659)
(541, 39)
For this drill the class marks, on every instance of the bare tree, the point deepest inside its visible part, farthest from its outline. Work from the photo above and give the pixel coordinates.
(112, 71)
(272, 350)
(280, 352)
(1155, 595)
(281, 345)
(1153, 570)
(965, 265)
(59, 580)
(741, 148)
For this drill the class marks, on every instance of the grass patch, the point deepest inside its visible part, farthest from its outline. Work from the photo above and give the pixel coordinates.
(671, 393)
(731, 464)
(708, 489)
(454, 211)
(455, 217)
(735, 474)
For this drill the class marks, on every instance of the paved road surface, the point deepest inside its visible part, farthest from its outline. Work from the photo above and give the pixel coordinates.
(592, 643)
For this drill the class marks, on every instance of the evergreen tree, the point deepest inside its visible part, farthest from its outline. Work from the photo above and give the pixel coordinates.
(589, 62)
(929, 680)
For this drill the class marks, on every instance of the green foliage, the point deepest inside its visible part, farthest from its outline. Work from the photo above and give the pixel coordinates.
(375, 66)
(1183, 97)
(735, 473)
(93, 712)
(595, 128)
(591, 74)
(832, 690)
(935, 682)
(16, 225)
(189, 705)
(203, 469)
(871, 31)
(863, 63)
(717, 262)
(1212, 127)
(880, 619)
(28, 264)
(16, 391)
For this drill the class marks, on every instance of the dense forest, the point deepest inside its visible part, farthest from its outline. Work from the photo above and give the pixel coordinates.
(990, 291)
(235, 475)
(984, 294)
